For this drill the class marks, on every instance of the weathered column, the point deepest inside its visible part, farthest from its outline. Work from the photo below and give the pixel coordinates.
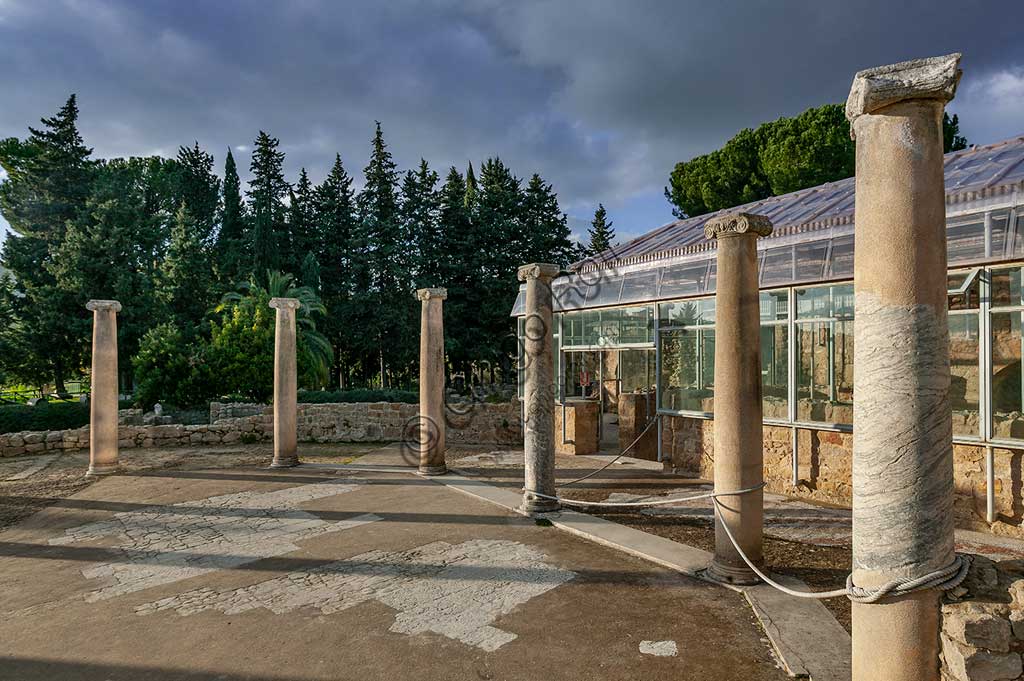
(738, 446)
(902, 452)
(103, 393)
(285, 384)
(431, 420)
(538, 392)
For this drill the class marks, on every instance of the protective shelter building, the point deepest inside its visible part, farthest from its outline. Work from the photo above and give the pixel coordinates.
(635, 334)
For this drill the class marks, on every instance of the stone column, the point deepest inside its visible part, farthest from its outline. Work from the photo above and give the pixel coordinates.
(539, 392)
(431, 420)
(285, 384)
(103, 395)
(739, 457)
(902, 452)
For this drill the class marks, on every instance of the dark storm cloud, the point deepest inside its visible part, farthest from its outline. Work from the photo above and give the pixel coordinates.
(600, 97)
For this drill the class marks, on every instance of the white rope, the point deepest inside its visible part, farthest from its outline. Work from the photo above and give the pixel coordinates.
(943, 579)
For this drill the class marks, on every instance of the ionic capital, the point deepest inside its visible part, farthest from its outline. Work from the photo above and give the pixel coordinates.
(735, 224)
(931, 78)
(285, 303)
(432, 294)
(538, 270)
(95, 305)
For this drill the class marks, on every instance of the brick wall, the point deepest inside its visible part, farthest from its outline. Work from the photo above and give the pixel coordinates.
(825, 470)
(497, 424)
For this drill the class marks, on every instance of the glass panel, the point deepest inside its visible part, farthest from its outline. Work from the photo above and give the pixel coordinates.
(639, 286)
(824, 386)
(774, 305)
(964, 349)
(777, 267)
(683, 280)
(519, 307)
(636, 325)
(1006, 242)
(970, 299)
(841, 263)
(1006, 288)
(810, 261)
(709, 286)
(775, 371)
(604, 290)
(687, 312)
(636, 371)
(687, 370)
(568, 292)
(1007, 403)
(581, 375)
(965, 240)
(825, 302)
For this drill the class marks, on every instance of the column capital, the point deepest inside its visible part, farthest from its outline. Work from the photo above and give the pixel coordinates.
(431, 294)
(931, 78)
(103, 305)
(736, 224)
(285, 303)
(538, 270)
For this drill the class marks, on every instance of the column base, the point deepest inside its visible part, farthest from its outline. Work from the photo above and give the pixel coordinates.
(291, 462)
(432, 470)
(98, 469)
(533, 505)
(728, 574)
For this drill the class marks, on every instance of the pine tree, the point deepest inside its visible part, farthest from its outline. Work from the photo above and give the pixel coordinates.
(461, 268)
(300, 219)
(388, 308)
(50, 175)
(232, 240)
(186, 277)
(601, 232)
(309, 273)
(952, 140)
(266, 193)
(545, 226)
(470, 199)
(336, 254)
(420, 217)
(198, 188)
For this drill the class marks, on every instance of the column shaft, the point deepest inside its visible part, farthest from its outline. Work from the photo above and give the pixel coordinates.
(738, 440)
(902, 454)
(431, 420)
(285, 384)
(103, 436)
(538, 392)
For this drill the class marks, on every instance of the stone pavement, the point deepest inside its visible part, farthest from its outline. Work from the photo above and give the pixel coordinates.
(314, 574)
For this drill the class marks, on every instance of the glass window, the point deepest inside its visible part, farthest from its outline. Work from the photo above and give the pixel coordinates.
(568, 292)
(964, 349)
(775, 371)
(810, 261)
(687, 370)
(639, 286)
(581, 377)
(1007, 403)
(965, 239)
(604, 290)
(686, 279)
(636, 371)
(608, 327)
(774, 305)
(1006, 241)
(963, 297)
(687, 312)
(636, 325)
(841, 263)
(777, 266)
(1006, 287)
(824, 351)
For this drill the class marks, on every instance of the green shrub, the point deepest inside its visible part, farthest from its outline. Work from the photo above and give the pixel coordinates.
(169, 370)
(43, 416)
(358, 395)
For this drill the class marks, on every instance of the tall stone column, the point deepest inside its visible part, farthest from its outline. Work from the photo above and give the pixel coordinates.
(538, 392)
(431, 420)
(103, 396)
(739, 457)
(902, 452)
(285, 384)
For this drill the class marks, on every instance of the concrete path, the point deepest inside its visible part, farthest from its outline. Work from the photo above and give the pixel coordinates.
(313, 574)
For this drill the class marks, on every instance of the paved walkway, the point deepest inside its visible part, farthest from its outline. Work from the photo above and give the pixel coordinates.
(314, 574)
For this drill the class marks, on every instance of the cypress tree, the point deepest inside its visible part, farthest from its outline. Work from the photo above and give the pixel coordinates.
(460, 266)
(232, 239)
(186, 278)
(300, 218)
(266, 193)
(420, 216)
(601, 232)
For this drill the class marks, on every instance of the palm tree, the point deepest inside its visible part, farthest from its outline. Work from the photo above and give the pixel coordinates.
(315, 354)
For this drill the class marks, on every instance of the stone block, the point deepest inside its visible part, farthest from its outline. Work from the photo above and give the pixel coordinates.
(31, 447)
(966, 663)
(977, 626)
(33, 438)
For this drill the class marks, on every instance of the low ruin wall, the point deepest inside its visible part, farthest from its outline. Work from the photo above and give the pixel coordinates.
(487, 424)
(825, 470)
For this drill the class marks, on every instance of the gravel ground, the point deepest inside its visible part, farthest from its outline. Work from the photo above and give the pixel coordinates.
(66, 474)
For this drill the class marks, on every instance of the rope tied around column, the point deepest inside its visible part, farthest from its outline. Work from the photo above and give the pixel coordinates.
(942, 579)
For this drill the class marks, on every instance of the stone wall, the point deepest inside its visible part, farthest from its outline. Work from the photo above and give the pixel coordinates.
(825, 460)
(233, 410)
(983, 624)
(497, 424)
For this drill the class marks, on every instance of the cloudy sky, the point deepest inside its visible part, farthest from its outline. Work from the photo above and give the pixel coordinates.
(600, 97)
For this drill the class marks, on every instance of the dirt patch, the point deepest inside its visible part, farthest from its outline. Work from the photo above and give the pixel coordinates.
(66, 474)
